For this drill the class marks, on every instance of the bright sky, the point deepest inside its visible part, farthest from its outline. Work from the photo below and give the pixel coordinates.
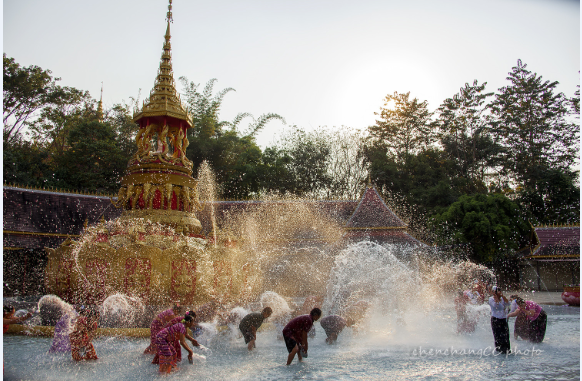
(314, 62)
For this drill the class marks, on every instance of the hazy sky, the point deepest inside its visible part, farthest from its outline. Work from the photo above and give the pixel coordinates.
(316, 62)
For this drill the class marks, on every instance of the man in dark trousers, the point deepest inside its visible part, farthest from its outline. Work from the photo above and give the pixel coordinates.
(250, 323)
(295, 334)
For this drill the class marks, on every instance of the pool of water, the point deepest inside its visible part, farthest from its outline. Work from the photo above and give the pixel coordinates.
(425, 348)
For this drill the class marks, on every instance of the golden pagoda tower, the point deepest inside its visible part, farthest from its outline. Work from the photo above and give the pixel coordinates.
(153, 252)
(100, 106)
(159, 185)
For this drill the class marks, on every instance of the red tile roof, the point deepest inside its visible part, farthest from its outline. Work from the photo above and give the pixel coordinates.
(372, 212)
(557, 242)
(373, 220)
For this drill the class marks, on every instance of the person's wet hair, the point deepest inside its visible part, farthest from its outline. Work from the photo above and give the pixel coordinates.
(519, 300)
(190, 316)
(315, 312)
(268, 310)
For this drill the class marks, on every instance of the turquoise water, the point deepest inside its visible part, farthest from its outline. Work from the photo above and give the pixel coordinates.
(381, 351)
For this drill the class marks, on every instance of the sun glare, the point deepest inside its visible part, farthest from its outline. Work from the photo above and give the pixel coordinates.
(391, 105)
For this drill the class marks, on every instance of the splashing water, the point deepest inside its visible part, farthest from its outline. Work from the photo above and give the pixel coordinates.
(369, 273)
(277, 303)
(207, 190)
(51, 308)
(391, 281)
(121, 311)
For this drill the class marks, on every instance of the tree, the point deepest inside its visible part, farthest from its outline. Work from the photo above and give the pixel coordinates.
(424, 181)
(26, 91)
(491, 224)
(554, 199)
(275, 172)
(464, 132)
(530, 121)
(404, 129)
(307, 167)
(93, 160)
(346, 163)
(232, 155)
(119, 117)
(575, 103)
(25, 163)
(58, 118)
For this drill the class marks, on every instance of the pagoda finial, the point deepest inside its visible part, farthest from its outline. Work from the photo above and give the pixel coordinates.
(100, 106)
(164, 100)
(169, 14)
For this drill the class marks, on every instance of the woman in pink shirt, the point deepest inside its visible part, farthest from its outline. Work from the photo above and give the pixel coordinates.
(161, 321)
(536, 317)
(165, 339)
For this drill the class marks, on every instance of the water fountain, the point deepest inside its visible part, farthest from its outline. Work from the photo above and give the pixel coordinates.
(155, 254)
(154, 251)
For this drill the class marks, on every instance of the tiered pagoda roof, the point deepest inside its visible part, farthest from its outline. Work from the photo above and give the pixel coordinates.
(164, 104)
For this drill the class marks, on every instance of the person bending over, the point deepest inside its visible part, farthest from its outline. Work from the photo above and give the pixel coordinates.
(167, 354)
(333, 325)
(82, 335)
(250, 323)
(161, 321)
(295, 334)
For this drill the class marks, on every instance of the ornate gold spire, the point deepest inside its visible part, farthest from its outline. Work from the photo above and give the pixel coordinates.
(100, 106)
(158, 184)
(164, 100)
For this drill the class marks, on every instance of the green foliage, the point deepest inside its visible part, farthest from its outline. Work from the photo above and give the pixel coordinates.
(464, 133)
(275, 171)
(555, 199)
(25, 163)
(25, 90)
(93, 161)
(530, 122)
(575, 103)
(56, 120)
(491, 224)
(405, 128)
(28, 91)
(119, 117)
(425, 180)
(234, 157)
(308, 154)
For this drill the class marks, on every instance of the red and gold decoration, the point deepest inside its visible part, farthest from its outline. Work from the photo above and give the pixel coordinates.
(154, 251)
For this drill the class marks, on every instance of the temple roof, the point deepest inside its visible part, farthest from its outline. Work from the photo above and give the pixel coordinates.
(35, 219)
(164, 100)
(373, 213)
(373, 220)
(556, 242)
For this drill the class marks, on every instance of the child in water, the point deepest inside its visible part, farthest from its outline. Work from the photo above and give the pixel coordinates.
(161, 321)
(61, 340)
(176, 341)
(165, 343)
(83, 333)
